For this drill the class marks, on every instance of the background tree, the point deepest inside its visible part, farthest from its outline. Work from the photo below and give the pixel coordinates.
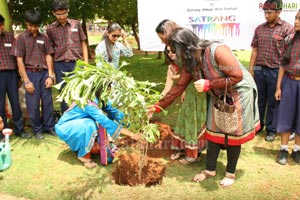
(124, 12)
(5, 13)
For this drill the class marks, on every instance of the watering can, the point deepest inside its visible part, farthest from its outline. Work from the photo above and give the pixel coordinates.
(5, 153)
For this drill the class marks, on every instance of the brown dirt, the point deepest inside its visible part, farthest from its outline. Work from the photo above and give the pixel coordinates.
(127, 170)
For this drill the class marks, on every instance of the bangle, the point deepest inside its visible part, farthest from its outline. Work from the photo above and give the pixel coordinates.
(27, 82)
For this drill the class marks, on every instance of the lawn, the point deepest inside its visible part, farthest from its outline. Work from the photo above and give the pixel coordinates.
(49, 170)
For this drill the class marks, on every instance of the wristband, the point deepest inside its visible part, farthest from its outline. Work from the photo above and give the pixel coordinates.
(27, 82)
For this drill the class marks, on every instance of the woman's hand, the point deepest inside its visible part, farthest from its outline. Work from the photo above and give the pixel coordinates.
(150, 111)
(202, 85)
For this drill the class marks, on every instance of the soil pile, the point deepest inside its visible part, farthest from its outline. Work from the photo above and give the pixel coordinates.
(127, 170)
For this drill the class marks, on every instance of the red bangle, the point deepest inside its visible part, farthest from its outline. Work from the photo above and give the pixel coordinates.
(157, 108)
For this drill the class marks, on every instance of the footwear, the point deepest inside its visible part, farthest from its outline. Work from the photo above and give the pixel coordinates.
(270, 137)
(296, 156)
(88, 163)
(51, 132)
(187, 161)
(203, 175)
(39, 136)
(24, 135)
(282, 157)
(228, 180)
(176, 155)
(292, 137)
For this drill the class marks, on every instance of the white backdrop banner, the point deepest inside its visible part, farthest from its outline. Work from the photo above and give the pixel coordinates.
(230, 21)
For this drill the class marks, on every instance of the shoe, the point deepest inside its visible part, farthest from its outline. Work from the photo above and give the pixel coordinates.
(282, 157)
(51, 132)
(39, 136)
(270, 136)
(292, 137)
(296, 156)
(24, 135)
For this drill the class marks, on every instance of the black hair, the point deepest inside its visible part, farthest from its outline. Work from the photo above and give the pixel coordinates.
(110, 28)
(60, 5)
(185, 43)
(33, 17)
(272, 5)
(2, 19)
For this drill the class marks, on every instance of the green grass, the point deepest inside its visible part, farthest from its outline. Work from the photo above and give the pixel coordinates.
(49, 170)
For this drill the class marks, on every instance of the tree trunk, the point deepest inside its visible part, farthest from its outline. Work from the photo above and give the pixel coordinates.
(136, 36)
(87, 39)
(5, 13)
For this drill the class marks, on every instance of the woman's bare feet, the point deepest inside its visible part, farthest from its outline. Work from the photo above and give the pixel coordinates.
(88, 163)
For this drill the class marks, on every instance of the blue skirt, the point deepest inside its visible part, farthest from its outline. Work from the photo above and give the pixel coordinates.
(287, 113)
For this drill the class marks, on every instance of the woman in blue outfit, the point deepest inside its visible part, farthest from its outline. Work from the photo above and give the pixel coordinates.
(78, 127)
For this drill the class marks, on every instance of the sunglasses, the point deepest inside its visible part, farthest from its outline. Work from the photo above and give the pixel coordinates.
(116, 36)
(169, 51)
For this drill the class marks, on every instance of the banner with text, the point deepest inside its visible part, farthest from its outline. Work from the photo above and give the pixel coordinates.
(230, 21)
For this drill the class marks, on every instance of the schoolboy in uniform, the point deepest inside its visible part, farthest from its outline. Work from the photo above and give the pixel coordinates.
(68, 40)
(9, 83)
(266, 57)
(33, 52)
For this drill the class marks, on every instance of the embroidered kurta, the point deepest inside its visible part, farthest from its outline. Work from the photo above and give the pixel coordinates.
(244, 93)
(79, 127)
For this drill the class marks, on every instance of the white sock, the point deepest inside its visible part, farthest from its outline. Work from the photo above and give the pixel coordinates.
(284, 147)
(296, 147)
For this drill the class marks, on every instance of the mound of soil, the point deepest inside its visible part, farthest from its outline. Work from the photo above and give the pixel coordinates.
(127, 170)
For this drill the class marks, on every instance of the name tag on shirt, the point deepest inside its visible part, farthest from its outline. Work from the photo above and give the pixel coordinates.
(74, 29)
(40, 41)
(7, 44)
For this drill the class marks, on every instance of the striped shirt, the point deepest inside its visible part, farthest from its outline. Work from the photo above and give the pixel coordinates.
(270, 43)
(32, 49)
(66, 40)
(7, 61)
(293, 67)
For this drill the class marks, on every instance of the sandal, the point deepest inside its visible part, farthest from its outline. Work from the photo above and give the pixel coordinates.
(187, 161)
(176, 155)
(203, 175)
(228, 180)
(88, 163)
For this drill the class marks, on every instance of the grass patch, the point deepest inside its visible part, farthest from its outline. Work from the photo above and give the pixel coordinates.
(49, 170)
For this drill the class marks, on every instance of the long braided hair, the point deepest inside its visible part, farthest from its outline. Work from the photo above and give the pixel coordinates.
(108, 44)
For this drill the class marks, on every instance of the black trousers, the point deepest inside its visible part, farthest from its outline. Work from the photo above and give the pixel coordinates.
(213, 150)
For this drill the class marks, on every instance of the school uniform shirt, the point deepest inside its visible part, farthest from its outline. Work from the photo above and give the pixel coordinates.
(293, 68)
(33, 49)
(270, 43)
(66, 40)
(7, 61)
